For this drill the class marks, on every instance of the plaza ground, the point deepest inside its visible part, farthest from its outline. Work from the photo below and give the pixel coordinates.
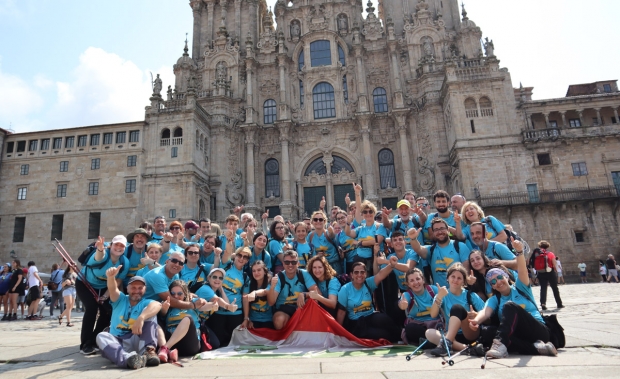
(43, 349)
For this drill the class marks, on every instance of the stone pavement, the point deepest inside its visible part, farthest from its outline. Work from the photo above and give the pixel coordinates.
(43, 349)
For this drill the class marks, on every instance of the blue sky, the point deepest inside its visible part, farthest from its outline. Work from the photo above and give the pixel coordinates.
(69, 63)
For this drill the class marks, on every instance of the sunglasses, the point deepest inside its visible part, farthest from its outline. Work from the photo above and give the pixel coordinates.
(178, 262)
(243, 256)
(290, 263)
(496, 279)
(318, 219)
(280, 228)
(363, 272)
(368, 211)
(175, 228)
(193, 252)
(214, 277)
(177, 293)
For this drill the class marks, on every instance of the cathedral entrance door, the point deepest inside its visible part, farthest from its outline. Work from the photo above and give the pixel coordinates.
(312, 199)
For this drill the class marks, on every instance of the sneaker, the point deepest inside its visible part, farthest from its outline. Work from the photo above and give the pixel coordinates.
(477, 351)
(163, 354)
(440, 351)
(543, 306)
(14, 317)
(173, 355)
(498, 350)
(4, 318)
(560, 306)
(88, 350)
(151, 357)
(136, 361)
(546, 348)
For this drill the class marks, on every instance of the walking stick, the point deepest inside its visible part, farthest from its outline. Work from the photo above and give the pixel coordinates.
(67, 258)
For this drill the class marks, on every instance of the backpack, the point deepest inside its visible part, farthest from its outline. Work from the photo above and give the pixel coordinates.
(195, 285)
(537, 263)
(412, 302)
(432, 250)
(89, 251)
(509, 234)
(306, 256)
(105, 260)
(399, 223)
(282, 279)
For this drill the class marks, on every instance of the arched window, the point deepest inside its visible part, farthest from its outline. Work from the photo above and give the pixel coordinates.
(379, 97)
(317, 166)
(301, 94)
(272, 178)
(165, 133)
(338, 165)
(324, 103)
(178, 132)
(301, 59)
(471, 108)
(387, 173)
(320, 53)
(269, 111)
(486, 107)
(345, 90)
(341, 56)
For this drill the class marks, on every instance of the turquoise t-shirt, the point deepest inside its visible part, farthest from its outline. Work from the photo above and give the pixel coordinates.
(358, 303)
(262, 256)
(157, 282)
(443, 257)
(260, 310)
(421, 309)
(368, 233)
(175, 315)
(238, 241)
(303, 251)
(165, 256)
(124, 315)
(399, 225)
(189, 274)
(347, 244)
(233, 284)
(96, 275)
(451, 300)
(492, 231)
(334, 287)
(293, 288)
(523, 301)
(134, 261)
(409, 255)
(276, 247)
(210, 259)
(322, 244)
(205, 292)
(449, 220)
(143, 271)
(497, 250)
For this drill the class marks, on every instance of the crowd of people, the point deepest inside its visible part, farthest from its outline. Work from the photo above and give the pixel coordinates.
(448, 277)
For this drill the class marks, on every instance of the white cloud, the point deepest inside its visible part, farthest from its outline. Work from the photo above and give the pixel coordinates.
(19, 99)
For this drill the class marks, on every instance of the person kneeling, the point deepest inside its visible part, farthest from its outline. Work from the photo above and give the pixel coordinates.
(298, 281)
(132, 338)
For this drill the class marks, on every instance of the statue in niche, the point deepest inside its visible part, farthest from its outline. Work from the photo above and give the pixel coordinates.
(343, 23)
(157, 86)
(489, 47)
(169, 93)
(428, 47)
(295, 29)
(221, 71)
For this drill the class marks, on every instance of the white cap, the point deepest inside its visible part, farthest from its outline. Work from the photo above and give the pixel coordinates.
(119, 239)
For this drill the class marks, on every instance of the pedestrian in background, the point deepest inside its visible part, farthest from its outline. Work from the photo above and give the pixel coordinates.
(602, 269)
(582, 272)
(545, 264)
(558, 267)
(612, 272)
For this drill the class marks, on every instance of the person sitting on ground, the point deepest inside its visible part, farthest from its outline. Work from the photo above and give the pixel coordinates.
(458, 305)
(286, 301)
(213, 292)
(132, 340)
(68, 292)
(257, 313)
(417, 302)
(327, 283)
(356, 309)
(522, 328)
(151, 259)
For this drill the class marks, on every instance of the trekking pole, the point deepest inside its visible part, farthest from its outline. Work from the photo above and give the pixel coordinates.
(408, 357)
(67, 258)
(484, 362)
(466, 349)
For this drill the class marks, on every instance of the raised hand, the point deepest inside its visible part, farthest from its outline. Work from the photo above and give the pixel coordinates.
(314, 295)
(265, 215)
(517, 245)
(168, 236)
(443, 291)
(233, 306)
(229, 235)
(385, 213)
(347, 200)
(146, 260)
(472, 313)
(357, 188)
(471, 279)
(349, 219)
(217, 251)
(165, 305)
(393, 261)
(274, 281)
(457, 217)
(403, 303)
(413, 233)
(322, 203)
(251, 296)
(179, 237)
(100, 243)
(113, 271)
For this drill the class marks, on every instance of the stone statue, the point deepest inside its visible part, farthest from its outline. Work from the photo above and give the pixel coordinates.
(191, 83)
(295, 29)
(157, 86)
(489, 47)
(428, 47)
(343, 23)
(221, 71)
(169, 93)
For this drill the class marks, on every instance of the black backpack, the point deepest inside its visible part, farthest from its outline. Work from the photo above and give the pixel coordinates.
(399, 223)
(195, 285)
(88, 252)
(509, 233)
(306, 256)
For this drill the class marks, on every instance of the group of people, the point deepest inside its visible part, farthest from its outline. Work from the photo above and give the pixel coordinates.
(170, 290)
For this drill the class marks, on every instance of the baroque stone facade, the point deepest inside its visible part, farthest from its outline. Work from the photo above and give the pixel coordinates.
(406, 98)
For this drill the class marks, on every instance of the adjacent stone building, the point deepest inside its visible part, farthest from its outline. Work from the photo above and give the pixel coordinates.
(406, 98)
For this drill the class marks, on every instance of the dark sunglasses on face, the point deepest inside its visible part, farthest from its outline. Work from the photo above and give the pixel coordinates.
(177, 293)
(243, 256)
(423, 205)
(368, 211)
(214, 277)
(341, 218)
(318, 219)
(290, 262)
(193, 252)
(176, 261)
(496, 279)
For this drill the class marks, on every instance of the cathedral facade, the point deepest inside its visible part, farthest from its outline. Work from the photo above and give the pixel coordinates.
(407, 98)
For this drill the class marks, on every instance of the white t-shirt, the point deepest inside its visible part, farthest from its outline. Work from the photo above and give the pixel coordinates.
(558, 266)
(32, 280)
(582, 267)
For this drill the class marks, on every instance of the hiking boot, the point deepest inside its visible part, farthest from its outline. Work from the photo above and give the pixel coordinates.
(477, 351)
(14, 317)
(546, 348)
(136, 361)
(498, 350)
(88, 350)
(4, 318)
(151, 357)
(162, 354)
(440, 350)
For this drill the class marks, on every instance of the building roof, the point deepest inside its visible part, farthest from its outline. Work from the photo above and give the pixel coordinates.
(586, 88)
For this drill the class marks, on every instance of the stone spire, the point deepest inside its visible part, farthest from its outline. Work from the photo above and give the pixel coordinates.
(370, 8)
(464, 12)
(185, 49)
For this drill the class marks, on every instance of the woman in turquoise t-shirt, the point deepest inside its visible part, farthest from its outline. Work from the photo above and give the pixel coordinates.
(328, 285)
(257, 313)
(277, 244)
(417, 302)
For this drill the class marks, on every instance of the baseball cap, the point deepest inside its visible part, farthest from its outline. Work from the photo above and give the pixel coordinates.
(136, 279)
(119, 239)
(191, 225)
(217, 269)
(403, 202)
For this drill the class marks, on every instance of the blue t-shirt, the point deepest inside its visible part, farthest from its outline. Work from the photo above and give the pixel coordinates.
(358, 303)
(205, 292)
(155, 238)
(496, 225)
(347, 244)
(443, 257)
(334, 287)
(96, 275)
(210, 259)
(143, 271)
(421, 308)
(399, 225)
(497, 250)
(134, 261)
(238, 241)
(157, 282)
(124, 315)
(259, 257)
(303, 251)
(293, 288)
(451, 300)
(233, 284)
(368, 233)
(276, 247)
(449, 220)
(175, 315)
(189, 274)
(515, 296)
(409, 255)
(260, 310)
(165, 256)
(322, 244)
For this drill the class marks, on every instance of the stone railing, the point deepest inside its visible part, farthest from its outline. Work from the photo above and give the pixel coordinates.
(549, 196)
(541, 134)
(172, 105)
(471, 113)
(486, 112)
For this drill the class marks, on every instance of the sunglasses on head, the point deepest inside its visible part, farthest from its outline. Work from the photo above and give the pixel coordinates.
(215, 277)
(496, 279)
(176, 261)
(177, 293)
(193, 252)
(318, 219)
(290, 262)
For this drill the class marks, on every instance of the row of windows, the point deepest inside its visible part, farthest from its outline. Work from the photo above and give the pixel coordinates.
(579, 168)
(69, 142)
(93, 189)
(94, 227)
(95, 164)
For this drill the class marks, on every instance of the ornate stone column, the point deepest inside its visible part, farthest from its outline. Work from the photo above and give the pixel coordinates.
(616, 115)
(361, 83)
(300, 192)
(563, 114)
(398, 92)
(401, 122)
(250, 186)
(285, 206)
(210, 9)
(546, 120)
(369, 177)
(196, 10)
(598, 116)
(328, 160)
(580, 113)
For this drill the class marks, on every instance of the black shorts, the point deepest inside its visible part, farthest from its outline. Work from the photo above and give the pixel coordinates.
(288, 309)
(19, 290)
(35, 293)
